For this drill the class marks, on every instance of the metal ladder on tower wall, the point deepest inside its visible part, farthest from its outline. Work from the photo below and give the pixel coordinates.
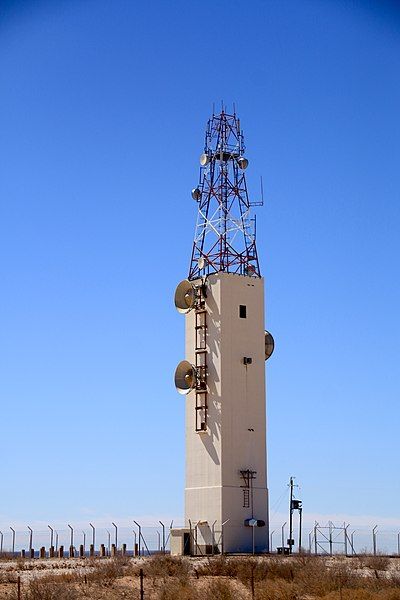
(201, 364)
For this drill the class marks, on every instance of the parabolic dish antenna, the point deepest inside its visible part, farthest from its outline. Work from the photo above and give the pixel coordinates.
(185, 377)
(204, 160)
(185, 297)
(269, 345)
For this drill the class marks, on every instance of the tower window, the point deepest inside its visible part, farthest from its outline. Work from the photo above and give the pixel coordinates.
(242, 311)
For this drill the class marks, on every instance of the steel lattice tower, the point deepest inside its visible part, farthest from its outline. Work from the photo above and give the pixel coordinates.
(225, 236)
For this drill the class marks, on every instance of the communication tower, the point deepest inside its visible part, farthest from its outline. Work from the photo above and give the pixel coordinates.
(223, 374)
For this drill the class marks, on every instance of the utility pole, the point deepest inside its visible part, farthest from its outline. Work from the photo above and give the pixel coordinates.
(291, 483)
(294, 505)
(300, 527)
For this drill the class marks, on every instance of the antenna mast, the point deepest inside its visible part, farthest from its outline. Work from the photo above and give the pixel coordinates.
(225, 237)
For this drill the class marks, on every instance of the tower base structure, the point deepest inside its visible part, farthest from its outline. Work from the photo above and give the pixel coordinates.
(226, 495)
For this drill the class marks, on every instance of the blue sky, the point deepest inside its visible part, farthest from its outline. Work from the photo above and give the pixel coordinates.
(103, 107)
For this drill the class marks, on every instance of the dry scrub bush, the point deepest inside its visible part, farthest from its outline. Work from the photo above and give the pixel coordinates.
(8, 577)
(248, 570)
(37, 589)
(167, 566)
(105, 573)
(243, 568)
(176, 590)
(380, 562)
(218, 566)
(6, 556)
(305, 574)
(20, 564)
(116, 592)
(362, 593)
(223, 589)
(278, 589)
(60, 578)
(319, 578)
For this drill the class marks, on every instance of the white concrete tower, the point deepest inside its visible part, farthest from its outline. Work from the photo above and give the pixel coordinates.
(223, 374)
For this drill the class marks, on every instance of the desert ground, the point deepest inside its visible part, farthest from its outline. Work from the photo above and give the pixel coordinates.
(303, 577)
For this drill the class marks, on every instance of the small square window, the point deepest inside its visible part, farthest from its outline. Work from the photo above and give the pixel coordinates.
(242, 311)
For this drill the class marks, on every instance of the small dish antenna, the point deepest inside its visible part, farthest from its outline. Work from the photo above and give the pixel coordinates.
(242, 162)
(196, 194)
(201, 263)
(204, 159)
(250, 269)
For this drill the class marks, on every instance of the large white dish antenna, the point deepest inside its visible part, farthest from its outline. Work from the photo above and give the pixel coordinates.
(269, 345)
(185, 297)
(185, 377)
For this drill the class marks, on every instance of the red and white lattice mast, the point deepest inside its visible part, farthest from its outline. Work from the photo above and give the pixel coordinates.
(225, 238)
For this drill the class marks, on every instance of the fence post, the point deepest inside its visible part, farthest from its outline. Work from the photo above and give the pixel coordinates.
(13, 541)
(140, 534)
(315, 540)
(116, 535)
(374, 538)
(30, 540)
(163, 536)
(141, 585)
(93, 535)
(71, 543)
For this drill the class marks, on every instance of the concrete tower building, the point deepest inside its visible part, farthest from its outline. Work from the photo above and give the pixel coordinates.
(223, 374)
